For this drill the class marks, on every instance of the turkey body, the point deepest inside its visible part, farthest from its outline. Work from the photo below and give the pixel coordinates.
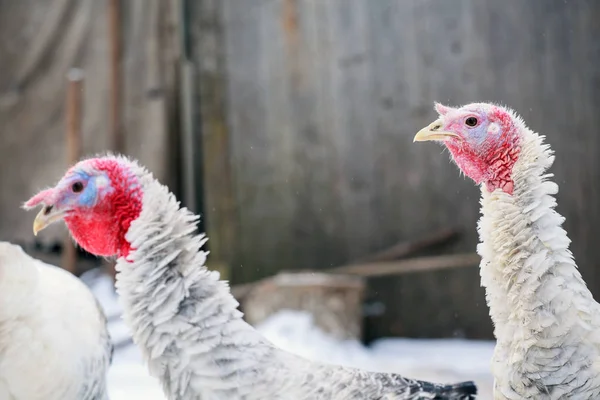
(186, 322)
(546, 321)
(54, 344)
(181, 315)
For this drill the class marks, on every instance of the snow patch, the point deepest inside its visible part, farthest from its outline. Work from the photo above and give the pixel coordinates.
(444, 360)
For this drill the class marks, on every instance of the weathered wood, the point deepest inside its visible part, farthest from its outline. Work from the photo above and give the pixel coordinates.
(116, 138)
(212, 133)
(333, 300)
(73, 134)
(308, 109)
(399, 250)
(189, 150)
(409, 247)
(383, 268)
(47, 38)
(418, 264)
(323, 98)
(115, 130)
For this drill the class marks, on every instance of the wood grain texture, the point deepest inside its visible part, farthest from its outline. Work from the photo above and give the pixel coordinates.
(39, 42)
(308, 109)
(213, 150)
(335, 302)
(322, 101)
(73, 112)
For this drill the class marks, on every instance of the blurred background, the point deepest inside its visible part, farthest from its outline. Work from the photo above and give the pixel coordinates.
(288, 125)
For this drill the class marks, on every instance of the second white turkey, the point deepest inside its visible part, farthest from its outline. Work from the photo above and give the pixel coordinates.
(54, 344)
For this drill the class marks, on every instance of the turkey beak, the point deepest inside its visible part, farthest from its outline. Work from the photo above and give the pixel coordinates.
(432, 132)
(47, 215)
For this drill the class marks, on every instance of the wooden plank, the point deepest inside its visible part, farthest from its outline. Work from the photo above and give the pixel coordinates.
(407, 248)
(353, 129)
(213, 136)
(115, 130)
(189, 149)
(416, 59)
(418, 264)
(312, 194)
(383, 268)
(73, 134)
(116, 136)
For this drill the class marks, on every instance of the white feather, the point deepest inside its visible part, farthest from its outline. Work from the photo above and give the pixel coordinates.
(546, 322)
(186, 322)
(54, 344)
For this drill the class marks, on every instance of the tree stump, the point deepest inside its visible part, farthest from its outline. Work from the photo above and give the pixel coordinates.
(334, 300)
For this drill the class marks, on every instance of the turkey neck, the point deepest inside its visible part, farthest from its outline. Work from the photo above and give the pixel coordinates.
(537, 298)
(181, 315)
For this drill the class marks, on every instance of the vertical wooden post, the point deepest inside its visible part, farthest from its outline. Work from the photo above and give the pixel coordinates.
(116, 140)
(188, 109)
(219, 202)
(73, 131)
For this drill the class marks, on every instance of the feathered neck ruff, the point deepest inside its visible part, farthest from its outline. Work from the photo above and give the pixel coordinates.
(180, 313)
(544, 315)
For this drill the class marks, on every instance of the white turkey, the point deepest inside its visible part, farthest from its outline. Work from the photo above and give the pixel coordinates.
(547, 324)
(181, 315)
(54, 344)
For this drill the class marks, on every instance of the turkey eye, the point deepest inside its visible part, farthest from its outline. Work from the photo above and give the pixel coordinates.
(77, 187)
(471, 121)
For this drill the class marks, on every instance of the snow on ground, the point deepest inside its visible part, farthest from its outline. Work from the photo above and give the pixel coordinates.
(445, 360)
(128, 377)
(439, 360)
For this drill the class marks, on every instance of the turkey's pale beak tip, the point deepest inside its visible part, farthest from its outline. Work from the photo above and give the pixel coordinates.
(44, 218)
(432, 132)
(38, 225)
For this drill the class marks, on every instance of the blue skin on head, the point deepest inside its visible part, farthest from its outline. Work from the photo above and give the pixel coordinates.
(478, 135)
(86, 198)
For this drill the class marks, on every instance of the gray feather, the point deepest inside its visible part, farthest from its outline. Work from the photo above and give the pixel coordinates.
(189, 329)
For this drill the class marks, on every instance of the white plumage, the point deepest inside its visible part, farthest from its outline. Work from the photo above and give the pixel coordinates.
(187, 324)
(54, 344)
(183, 317)
(547, 323)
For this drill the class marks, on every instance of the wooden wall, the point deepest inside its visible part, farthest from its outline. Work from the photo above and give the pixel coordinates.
(40, 40)
(309, 108)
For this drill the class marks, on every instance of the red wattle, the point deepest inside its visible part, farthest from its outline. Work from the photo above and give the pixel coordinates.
(101, 230)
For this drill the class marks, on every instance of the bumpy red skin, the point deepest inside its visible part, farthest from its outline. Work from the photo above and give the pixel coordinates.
(493, 161)
(101, 230)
